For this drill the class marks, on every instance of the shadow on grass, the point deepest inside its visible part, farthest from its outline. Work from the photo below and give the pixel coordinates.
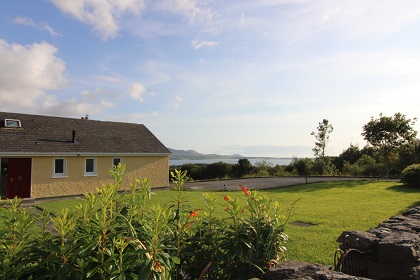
(319, 186)
(404, 189)
(414, 204)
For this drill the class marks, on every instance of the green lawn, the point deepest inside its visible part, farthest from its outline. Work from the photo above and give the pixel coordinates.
(332, 207)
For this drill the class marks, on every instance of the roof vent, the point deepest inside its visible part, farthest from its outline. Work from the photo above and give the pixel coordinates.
(12, 123)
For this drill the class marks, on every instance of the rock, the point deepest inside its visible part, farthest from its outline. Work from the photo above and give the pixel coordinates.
(379, 270)
(294, 270)
(366, 240)
(390, 251)
(399, 248)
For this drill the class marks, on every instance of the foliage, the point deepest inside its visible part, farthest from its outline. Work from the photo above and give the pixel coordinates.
(388, 134)
(411, 175)
(312, 167)
(331, 207)
(350, 155)
(322, 136)
(223, 170)
(324, 167)
(121, 236)
(365, 166)
(218, 170)
(242, 168)
(264, 169)
(303, 166)
(241, 246)
(408, 154)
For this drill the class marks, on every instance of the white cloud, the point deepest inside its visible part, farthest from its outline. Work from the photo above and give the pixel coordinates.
(108, 79)
(37, 25)
(32, 70)
(102, 15)
(136, 90)
(176, 102)
(74, 108)
(97, 94)
(190, 9)
(198, 45)
(135, 118)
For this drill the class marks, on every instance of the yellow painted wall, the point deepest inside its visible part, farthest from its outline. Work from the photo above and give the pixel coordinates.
(156, 169)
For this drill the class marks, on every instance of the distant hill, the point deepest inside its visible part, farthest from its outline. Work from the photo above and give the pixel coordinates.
(191, 154)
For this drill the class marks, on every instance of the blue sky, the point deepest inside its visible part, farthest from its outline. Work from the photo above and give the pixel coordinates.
(247, 77)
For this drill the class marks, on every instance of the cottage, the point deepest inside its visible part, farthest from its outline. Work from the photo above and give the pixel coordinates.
(45, 156)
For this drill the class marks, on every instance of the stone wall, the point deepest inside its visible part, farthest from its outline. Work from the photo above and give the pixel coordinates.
(391, 251)
(393, 248)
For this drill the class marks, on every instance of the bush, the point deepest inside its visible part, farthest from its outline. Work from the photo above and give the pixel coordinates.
(364, 166)
(303, 166)
(120, 236)
(411, 175)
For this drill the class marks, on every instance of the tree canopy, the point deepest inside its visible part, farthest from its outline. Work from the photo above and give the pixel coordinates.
(389, 133)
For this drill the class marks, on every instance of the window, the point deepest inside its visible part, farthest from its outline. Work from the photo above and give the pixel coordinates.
(12, 123)
(59, 168)
(90, 166)
(115, 161)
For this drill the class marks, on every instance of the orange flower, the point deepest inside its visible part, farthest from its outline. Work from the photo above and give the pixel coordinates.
(193, 214)
(226, 209)
(226, 198)
(245, 190)
(243, 211)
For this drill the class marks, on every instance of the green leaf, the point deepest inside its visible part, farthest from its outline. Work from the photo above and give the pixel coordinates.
(176, 260)
(86, 248)
(144, 270)
(92, 272)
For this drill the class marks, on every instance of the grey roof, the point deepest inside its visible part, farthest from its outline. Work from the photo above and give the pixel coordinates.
(54, 135)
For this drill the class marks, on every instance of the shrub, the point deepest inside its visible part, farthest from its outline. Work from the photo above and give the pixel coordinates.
(303, 166)
(120, 236)
(411, 175)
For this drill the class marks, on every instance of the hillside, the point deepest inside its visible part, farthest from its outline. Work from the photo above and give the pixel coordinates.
(194, 155)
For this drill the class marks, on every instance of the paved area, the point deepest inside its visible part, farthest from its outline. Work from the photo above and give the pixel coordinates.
(263, 183)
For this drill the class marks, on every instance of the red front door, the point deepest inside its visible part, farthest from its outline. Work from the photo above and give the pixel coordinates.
(19, 177)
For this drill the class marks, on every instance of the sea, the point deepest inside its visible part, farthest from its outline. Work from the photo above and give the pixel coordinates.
(269, 161)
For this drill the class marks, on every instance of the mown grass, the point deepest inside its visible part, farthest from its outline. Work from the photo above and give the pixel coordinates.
(331, 207)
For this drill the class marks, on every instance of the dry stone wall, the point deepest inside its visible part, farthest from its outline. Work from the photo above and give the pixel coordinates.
(393, 248)
(391, 251)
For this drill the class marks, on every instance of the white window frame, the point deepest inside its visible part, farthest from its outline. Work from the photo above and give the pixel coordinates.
(120, 158)
(13, 123)
(64, 173)
(90, 173)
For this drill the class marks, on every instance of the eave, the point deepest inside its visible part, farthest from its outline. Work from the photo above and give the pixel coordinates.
(82, 154)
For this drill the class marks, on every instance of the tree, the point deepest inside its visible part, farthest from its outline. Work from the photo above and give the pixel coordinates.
(242, 168)
(303, 166)
(389, 134)
(322, 136)
(350, 155)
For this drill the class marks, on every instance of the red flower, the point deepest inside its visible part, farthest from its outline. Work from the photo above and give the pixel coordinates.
(226, 209)
(226, 198)
(193, 214)
(245, 190)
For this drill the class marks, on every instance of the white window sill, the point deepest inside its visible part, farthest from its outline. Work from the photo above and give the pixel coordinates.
(90, 175)
(59, 176)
